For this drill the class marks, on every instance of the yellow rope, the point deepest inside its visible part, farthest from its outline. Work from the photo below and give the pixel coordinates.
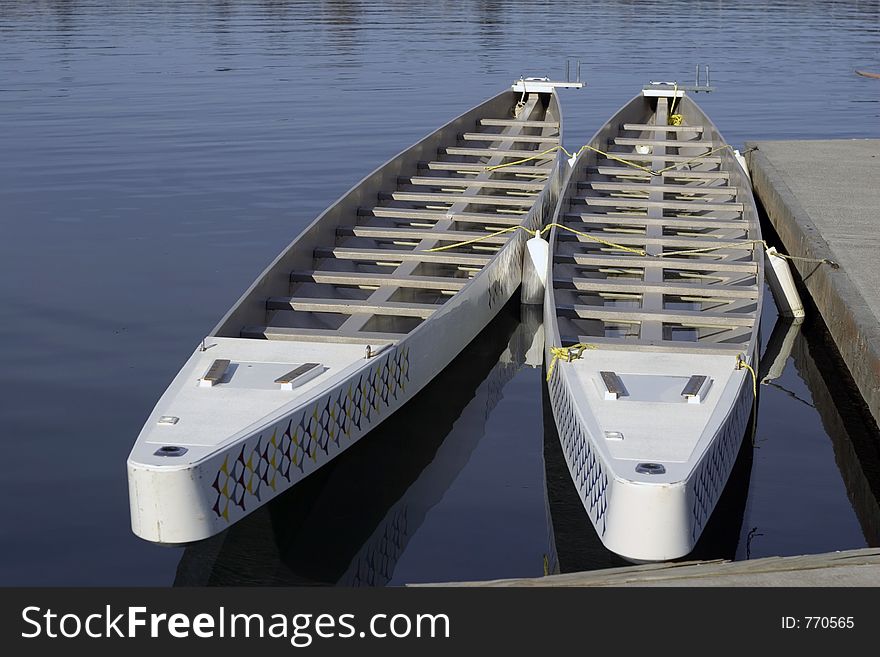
(742, 364)
(568, 354)
(618, 159)
(509, 229)
(537, 233)
(674, 119)
(585, 147)
(705, 249)
(620, 247)
(821, 261)
(536, 156)
(693, 159)
(610, 156)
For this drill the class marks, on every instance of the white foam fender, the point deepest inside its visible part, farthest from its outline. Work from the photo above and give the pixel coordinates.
(781, 282)
(536, 260)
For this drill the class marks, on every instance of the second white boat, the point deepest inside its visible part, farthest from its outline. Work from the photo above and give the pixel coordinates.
(651, 317)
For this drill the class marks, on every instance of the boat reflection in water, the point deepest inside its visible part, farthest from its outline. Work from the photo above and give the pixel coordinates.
(350, 523)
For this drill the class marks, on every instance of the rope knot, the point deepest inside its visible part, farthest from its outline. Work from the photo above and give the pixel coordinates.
(568, 354)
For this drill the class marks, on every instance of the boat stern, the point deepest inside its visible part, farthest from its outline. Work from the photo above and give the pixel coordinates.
(650, 443)
(170, 505)
(648, 521)
(243, 421)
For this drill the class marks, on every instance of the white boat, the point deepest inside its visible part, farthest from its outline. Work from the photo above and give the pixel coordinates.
(299, 540)
(651, 319)
(351, 320)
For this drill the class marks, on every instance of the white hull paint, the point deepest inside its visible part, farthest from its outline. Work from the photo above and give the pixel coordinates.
(612, 441)
(644, 521)
(221, 480)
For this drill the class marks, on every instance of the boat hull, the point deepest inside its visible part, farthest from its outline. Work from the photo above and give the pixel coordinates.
(182, 503)
(642, 521)
(649, 461)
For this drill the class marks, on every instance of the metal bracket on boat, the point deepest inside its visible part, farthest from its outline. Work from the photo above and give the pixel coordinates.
(697, 88)
(656, 88)
(696, 388)
(372, 352)
(545, 85)
(215, 373)
(299, 375)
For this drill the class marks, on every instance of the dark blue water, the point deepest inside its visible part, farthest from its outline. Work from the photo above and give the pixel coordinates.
(155, 157)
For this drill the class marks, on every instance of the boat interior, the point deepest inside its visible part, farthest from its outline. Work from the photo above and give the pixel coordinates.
(362, 273)
(669, 256)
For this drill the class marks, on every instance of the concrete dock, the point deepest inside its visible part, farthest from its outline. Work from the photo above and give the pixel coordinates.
(823, 199)
(848, 568)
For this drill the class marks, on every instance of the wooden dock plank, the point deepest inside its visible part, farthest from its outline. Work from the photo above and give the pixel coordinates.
(860, 567)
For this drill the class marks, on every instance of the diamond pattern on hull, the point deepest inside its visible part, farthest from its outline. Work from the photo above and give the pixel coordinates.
(275, 458)
(584, 463)
(713, 471)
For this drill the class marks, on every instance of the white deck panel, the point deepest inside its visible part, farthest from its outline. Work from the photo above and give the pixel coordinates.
(247, 395)
(658, 425)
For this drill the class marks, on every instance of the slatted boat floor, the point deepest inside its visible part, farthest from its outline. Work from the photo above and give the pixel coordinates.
(375, 280)
(692, 284)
